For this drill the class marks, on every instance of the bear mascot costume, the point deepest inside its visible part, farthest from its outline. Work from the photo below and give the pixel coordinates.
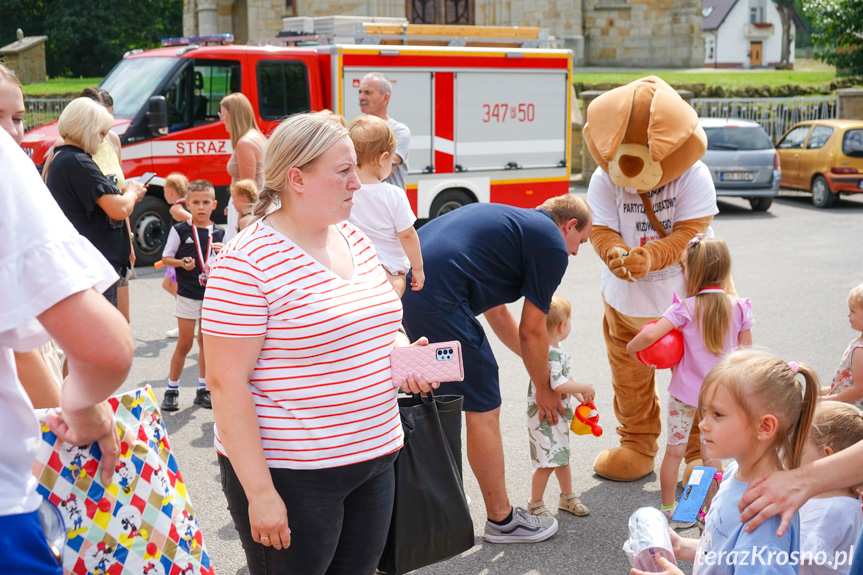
(649, 197)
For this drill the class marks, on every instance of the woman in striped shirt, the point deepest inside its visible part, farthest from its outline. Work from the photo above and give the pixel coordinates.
(299, 321)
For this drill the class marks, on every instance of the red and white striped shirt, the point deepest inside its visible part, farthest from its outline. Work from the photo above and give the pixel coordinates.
(322, 385)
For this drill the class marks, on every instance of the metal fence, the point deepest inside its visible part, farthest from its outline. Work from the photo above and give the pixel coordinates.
(775, 115)
(43, 111)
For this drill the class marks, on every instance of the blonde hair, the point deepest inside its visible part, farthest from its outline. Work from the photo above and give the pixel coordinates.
(242, 116)
(372, 137)
(855, 296)
(7, 75)
(179, 182)
(558, 312)
(761, 384)
(708, 264)
(326, 113)
(836, 425)
(296, 143)
(83, 121)
(567, 207)
(247, 189)
(201, 186)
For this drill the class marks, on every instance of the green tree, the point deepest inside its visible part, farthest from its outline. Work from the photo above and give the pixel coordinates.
(838, 32)
(87, 37)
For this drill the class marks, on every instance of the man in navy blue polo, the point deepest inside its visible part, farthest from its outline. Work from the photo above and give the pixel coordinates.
(477, 259)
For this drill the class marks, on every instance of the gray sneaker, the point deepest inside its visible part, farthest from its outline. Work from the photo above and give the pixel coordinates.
(523, 528)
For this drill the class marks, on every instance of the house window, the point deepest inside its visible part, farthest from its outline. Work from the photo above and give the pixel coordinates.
(756, 12)
(290, 8)
(440, 11)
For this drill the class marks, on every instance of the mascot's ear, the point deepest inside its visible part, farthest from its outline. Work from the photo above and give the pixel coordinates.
(672, 122)
(608, 117)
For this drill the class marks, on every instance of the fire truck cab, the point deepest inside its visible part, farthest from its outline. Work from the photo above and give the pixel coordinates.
(487, 124)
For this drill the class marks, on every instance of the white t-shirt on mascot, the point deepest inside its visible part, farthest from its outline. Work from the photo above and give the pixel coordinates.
(691, 196)
(43, 261)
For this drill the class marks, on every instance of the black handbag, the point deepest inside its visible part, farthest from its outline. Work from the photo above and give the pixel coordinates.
(431, 520)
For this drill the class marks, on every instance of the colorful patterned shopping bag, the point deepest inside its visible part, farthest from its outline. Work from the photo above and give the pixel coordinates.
(143, 523)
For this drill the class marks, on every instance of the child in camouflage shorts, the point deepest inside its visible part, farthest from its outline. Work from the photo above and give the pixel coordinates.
(549, 444)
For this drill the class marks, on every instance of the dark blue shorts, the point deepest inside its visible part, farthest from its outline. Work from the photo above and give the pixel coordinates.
(481, 387)
(23, 548)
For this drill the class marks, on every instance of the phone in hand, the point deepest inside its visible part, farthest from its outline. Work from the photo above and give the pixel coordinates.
(434, 362)
(146, 177)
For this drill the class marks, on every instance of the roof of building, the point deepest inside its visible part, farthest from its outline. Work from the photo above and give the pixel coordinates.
(22, 45)
(715, 12)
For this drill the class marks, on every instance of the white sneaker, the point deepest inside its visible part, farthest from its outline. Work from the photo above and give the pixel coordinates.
(523, 528)
(173, 333)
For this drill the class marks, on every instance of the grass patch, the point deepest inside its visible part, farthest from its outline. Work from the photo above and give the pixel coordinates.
(56, 87)
(725, 78)
(808, 78)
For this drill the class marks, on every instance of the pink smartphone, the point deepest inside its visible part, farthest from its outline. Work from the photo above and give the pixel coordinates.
(434, 362)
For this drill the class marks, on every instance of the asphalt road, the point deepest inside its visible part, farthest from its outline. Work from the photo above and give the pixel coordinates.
(795, 262)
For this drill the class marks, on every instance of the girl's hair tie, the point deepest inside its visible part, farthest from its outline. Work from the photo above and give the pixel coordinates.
(696, 240)
(793, 366)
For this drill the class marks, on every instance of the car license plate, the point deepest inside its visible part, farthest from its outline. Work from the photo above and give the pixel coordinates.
(736, 176)
(860, 184)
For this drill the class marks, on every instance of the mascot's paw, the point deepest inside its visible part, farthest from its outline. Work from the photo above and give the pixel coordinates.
(638, 262)
(622, 464)
(688, 471)
(617, 268)
(616, 257)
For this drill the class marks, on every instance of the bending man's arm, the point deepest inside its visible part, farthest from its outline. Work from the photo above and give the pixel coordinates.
(230, 362)
(504, 326)
(784, 492)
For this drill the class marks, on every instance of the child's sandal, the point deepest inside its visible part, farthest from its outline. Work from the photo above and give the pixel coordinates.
(538, 508)
(570, 502)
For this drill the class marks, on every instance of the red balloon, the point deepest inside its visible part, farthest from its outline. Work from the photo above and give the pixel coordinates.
(666, 352)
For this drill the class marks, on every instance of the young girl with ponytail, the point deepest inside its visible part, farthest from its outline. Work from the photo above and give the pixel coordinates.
(756, 409)
(713, 321)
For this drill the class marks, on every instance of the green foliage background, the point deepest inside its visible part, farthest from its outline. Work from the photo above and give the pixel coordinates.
(838, 32)
(87, 37)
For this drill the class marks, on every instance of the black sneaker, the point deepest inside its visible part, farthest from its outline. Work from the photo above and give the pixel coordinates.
(202, 398)
(171, 401)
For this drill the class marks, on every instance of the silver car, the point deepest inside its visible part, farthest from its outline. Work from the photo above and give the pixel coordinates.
(742, 160)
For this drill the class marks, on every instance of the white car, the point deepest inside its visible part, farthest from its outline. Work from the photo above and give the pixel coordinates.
(742, 161)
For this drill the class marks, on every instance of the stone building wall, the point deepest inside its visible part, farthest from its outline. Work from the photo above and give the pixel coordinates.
(599, 32)
(643, 33)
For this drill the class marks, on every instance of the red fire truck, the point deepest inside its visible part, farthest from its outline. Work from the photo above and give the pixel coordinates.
(487, 124)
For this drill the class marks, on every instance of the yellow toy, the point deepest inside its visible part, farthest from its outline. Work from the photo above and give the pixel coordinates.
(586, 420)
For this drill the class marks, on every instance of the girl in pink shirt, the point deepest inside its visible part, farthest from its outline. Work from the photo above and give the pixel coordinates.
(713, 321)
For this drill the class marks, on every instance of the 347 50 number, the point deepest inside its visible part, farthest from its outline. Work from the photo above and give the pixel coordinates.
(499, 113)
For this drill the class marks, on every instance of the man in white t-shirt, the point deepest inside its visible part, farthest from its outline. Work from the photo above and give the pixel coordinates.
(54, 279)
(375, 92)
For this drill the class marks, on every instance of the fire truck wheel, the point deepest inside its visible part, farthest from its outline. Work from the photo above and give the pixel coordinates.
(447, 201)
(151, 222)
